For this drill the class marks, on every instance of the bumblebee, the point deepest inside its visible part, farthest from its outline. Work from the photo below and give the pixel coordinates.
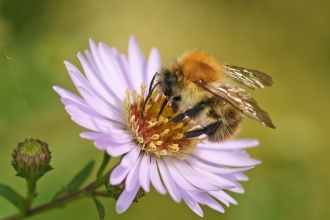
(208, 91)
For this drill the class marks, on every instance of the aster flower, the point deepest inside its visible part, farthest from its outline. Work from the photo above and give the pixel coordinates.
(153, 151)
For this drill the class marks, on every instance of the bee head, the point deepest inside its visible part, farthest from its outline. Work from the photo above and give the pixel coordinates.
(168, 81)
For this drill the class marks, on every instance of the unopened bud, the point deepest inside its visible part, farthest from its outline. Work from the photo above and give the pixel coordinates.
(115, 191)
(31, 159)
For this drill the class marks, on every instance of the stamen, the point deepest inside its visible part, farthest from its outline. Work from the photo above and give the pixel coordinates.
(132, 118)
(143, 89)
(160, 137)
(151, 124)
(175, 147)
(179, 125)
(165, 132)
(152, 145)
(179, 136)
(155, 136)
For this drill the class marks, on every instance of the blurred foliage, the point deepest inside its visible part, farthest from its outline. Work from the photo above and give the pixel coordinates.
(290, 40)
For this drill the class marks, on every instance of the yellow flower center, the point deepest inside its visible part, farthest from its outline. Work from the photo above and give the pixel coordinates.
(161, 136)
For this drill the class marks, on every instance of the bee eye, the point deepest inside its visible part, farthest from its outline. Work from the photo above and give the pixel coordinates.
(168, 88)
(177, 98)
(167, 85)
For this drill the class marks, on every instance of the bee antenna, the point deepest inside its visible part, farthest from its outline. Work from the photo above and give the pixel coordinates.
(152, 82)
(151, 90)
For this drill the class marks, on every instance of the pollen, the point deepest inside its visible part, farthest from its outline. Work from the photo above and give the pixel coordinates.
(155, 134)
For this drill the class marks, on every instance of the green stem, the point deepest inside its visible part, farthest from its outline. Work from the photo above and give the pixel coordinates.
(105, 161)
(31, 188)
(64, 199)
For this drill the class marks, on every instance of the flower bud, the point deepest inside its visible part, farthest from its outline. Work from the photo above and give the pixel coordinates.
(31, 159)
(115, 191)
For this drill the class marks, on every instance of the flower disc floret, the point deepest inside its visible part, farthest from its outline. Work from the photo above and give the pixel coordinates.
(157, 134)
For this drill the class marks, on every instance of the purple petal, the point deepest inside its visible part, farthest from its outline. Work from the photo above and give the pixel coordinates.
(120, 138)
(228, 158)
(133, 175)
(227, 197)
(177, 176)
(115, 76)
(231, 144)
(80, 81)
(93, 135)
(209, 201)
(67, 101)
(153, 66)
(124, 65)
(198, 178)
(99, 64)
(193, 177)
(191, 202)
(100, 146)
(214, 178)
(130, 158)
(69, 95)
(115, 149)
(240, 177)
(96, 123)
(118, 174)
(218, 196)
(214, 168)
(86, 123)
(137, 63)
(126, 198)
(168, 181)
(93, 118)
(101, 84)
(98, 106)
(144, 175)
(238, 189)
(154, 177)
(90, 123)
(82, 111)
(103, 141)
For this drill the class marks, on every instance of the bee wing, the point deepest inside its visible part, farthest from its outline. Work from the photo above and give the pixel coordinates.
(242, 100)
(253, 79)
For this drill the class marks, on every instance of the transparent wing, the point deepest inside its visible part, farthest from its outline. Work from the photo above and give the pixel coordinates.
(253, 79)
(242, 100)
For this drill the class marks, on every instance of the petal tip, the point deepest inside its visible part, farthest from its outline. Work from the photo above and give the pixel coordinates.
(132, 38)
(120, 209)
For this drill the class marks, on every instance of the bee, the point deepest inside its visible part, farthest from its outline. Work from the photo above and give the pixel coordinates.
(207, 91)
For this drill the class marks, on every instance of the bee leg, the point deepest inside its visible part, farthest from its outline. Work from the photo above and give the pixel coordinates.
(194, 133)
(174, 106)
(178, 118)
(208, 130)
(212, 128)
(190, 113)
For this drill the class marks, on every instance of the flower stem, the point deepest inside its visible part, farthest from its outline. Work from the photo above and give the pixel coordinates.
(61, 201)
(31, 188)
(106, 159)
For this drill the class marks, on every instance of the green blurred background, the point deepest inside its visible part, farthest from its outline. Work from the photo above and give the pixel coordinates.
(289, 40)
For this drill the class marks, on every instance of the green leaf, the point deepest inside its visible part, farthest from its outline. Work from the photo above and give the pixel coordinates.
(99, 207)
(13, 197)
(58, 194)
(77, 181)
(106, 159)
